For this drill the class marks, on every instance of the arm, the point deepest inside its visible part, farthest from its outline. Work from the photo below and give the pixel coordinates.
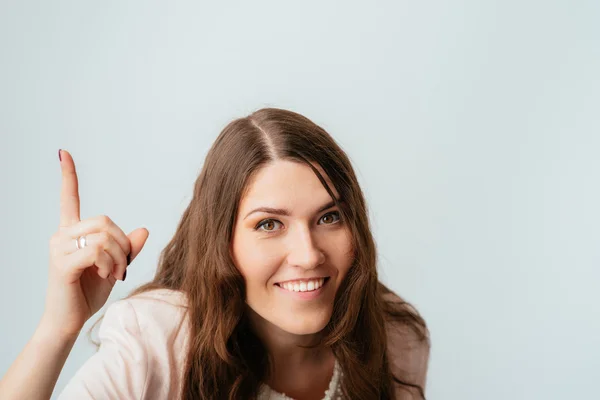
(119, 369)
(81, 275)
(43, 358)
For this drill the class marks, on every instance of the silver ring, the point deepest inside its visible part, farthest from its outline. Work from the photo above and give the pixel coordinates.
(80, 242)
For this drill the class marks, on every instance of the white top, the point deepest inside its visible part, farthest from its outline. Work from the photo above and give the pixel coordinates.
(144, 341)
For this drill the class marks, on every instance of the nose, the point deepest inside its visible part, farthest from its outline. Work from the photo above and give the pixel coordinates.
(304, 251)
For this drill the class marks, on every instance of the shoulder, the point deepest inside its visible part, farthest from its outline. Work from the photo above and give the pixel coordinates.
(156, 305)
(142, 340)
(161, 331)
(408, 340)
(155, 314)
(157, 297)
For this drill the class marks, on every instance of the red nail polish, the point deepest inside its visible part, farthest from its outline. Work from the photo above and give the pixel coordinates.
(59, 157)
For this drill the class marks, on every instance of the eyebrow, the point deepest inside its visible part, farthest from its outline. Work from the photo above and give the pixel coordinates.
(286, 212)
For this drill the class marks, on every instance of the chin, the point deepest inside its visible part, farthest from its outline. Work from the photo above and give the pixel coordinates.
(304, 326)
(308, 322)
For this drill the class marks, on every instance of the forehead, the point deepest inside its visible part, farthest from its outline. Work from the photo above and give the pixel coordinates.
(286, 181)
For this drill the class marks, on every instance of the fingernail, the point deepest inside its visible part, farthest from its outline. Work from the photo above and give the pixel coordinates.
(59, 157)
(124, 275)
(128, 258)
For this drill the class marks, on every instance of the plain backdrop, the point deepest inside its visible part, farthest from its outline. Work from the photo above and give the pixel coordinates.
(474, 128)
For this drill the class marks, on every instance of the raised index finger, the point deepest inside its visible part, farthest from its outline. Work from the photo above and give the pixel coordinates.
(69, 193)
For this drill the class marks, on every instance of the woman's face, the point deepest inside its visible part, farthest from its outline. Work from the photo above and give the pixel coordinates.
(291, 246)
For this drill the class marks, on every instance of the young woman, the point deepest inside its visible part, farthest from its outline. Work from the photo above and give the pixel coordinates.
(268, 289)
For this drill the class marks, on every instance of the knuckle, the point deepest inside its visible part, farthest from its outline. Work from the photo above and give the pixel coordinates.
(98, 253)
(54, 239)
(104, 237)
(105, 220)
(62, 231)
(123, 260)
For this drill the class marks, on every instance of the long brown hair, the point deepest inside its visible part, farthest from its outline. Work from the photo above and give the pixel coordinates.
(226, 360)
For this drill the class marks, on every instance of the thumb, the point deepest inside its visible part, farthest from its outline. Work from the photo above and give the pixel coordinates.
(137, 238)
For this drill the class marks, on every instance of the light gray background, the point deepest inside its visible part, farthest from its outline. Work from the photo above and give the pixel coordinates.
(473, 127)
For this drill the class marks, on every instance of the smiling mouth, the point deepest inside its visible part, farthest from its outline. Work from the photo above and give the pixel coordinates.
(308, 285)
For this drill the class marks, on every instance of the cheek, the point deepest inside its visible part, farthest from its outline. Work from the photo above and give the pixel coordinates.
(343, 252)
(255, 261)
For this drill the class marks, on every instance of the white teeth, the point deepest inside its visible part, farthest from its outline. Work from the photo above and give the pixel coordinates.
(303, 286)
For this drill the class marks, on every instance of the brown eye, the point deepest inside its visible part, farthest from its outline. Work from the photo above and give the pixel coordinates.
(331, 217)
(268, 225)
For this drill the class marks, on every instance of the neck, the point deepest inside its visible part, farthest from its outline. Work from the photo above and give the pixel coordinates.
(288, 349)
(299, 365)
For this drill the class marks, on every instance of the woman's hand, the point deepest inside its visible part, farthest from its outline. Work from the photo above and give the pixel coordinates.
(80, 280)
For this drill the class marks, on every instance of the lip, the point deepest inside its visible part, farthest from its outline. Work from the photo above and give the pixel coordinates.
(313, 294)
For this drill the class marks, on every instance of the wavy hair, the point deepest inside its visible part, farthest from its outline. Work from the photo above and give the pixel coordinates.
(226, 360)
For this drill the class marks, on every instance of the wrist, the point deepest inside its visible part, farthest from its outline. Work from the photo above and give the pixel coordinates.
(48, 329)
